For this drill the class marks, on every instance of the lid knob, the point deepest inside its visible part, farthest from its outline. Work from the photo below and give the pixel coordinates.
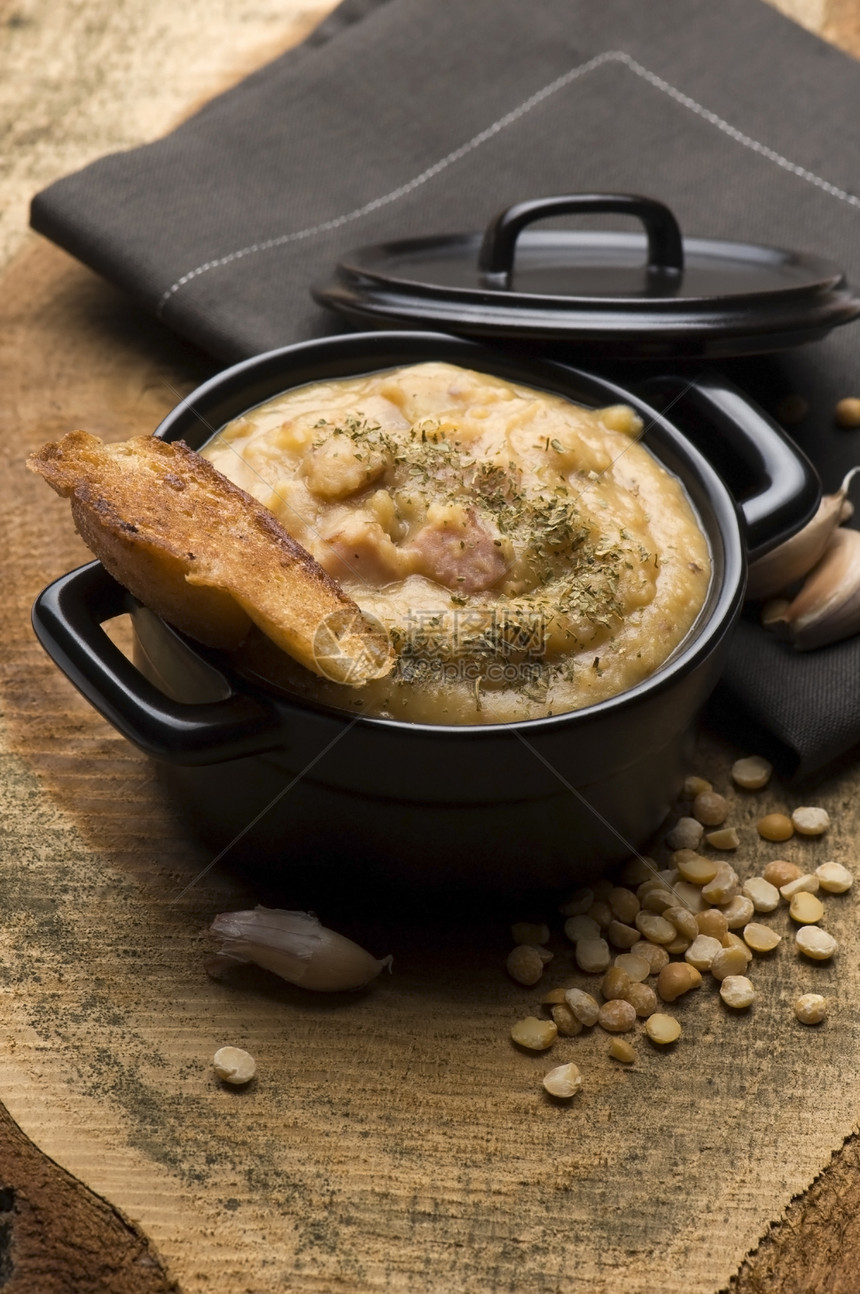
(665, 246)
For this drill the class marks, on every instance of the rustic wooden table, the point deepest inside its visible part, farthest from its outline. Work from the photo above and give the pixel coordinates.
(394, 1140)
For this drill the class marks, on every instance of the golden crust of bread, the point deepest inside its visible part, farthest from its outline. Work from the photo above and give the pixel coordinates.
(205, 555)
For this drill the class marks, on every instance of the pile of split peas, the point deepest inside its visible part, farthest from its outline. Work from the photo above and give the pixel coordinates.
(651, 935)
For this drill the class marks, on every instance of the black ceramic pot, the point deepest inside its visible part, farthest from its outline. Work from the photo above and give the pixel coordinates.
(314, 795)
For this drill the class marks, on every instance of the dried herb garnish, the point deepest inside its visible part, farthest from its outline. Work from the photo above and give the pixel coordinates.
(562, 573)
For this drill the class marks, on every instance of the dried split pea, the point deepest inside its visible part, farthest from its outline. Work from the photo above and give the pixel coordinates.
(809, 821)
(834, 878)
(662, 1029)
(666, 875)
(702, 952)
(593, 955)
(234, 1066)
(678, 945)
(712, 922)
(816, 943)
(534, 1034)
(657, 899)
(807, 883)
(810, 1008)
(738, 911)
(775, 826)
(620, 935)
(697, 870)
(751, 773)
(763, 896)
(710, 808)
(737, 991)
(617, 1016)
(623, 905)
(655, 955)
(524, 964)
(565, 1021)
(779, 872)
(563, 1082)
(656, 929)
(687, 833)
(678, 856)
(637, 968)
(676, 979)
(731, 940)
(620, 1049)
(683, 921)
(725, 885)
(583, 1005)
(729, 961)
(724, 838)
(553, 997)
(694, 786)
(601, 912)
(642, 998)
(847, 412)
(615, 983)
(762, 939)
(806, 909)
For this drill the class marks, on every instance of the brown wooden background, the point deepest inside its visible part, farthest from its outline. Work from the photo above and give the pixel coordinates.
(394, 1140)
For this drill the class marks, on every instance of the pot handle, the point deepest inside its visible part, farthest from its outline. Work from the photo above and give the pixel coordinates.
(775, 486)
(67, 619)
(665, 244)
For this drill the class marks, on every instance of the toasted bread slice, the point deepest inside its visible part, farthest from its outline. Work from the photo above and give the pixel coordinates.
(206, 556)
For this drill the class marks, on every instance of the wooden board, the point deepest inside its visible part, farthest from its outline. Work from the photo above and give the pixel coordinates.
(394, 1140)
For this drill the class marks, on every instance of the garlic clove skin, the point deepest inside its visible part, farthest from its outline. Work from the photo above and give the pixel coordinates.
(295, 946)
(827, 608)
(793, 559)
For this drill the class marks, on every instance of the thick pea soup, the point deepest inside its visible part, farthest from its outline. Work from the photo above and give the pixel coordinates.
(526, 556)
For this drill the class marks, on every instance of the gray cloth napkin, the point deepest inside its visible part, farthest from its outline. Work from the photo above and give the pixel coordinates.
(413, 117)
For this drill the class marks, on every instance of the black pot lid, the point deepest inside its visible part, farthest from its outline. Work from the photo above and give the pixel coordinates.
(619, 294)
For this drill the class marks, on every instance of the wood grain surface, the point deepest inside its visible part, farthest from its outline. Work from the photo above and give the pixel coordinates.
(393, 1140)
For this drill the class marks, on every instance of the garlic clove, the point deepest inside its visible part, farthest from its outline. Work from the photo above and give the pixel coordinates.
(773, 616)
(216, 966)
(295, 946)
(793, 559)
(827, 608)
